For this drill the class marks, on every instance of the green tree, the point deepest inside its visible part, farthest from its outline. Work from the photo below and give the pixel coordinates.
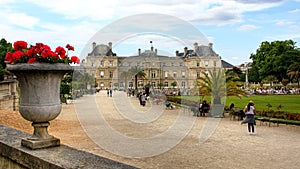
(4, 48)
(294, 71)
(271, 79)
(218, 84)
(174, 84)
(273, 58)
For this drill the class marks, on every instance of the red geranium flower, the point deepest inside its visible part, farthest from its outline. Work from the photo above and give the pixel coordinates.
(17, 55)
(32, 60)
(69, 47)
(19, 45)
(61, 52)
(9, 57)
(75, 59)
(39, 53)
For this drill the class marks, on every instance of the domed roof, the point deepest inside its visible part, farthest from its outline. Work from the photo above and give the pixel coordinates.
(100, 50)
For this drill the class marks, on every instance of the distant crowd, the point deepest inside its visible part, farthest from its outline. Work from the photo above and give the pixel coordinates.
(275, 90)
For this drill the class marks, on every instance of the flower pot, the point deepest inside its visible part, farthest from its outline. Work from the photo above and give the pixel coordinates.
(39, 98)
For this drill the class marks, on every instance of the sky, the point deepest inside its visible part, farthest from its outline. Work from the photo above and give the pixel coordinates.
(235, 27)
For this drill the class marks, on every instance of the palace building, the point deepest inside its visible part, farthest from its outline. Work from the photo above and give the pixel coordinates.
(178, 71)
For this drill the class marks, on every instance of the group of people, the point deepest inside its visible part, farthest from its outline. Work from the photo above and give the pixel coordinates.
(202, 109)
(109, 92)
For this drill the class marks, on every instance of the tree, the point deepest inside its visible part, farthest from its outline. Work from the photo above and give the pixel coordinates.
(218, 84)
(174, 84)
(294, 71)
(4, 48)
(273, 58)
(271, 79)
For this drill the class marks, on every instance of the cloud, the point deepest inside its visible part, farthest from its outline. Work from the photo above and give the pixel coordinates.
(208, 12)
(18, 19)
(248, 27)
(78, 9)
(295, 10)
(259, 1)
(284, 23)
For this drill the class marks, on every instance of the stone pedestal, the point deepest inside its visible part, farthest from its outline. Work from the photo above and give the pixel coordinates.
(216, 110)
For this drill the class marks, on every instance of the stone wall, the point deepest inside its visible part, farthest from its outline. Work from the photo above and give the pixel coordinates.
(8, 95)
(13, 155)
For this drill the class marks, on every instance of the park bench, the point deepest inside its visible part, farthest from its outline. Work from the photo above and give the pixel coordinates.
(236, 112)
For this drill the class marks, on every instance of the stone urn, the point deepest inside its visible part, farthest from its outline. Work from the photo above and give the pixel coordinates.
(39, 98)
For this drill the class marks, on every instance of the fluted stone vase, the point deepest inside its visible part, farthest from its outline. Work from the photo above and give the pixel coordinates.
(39, 99)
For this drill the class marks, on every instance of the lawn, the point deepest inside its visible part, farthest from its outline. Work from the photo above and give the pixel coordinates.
(290, 103)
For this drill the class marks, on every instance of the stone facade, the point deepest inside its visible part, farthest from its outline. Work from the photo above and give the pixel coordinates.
(161, 71)
(8, 95)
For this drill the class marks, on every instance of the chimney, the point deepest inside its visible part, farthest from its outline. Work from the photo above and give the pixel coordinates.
(151, 46)
(139, 51)
(210, 45)
(177, 53)
(110, 45)
(185, 51)
(195, 47)
(155, 51)
(94, 45)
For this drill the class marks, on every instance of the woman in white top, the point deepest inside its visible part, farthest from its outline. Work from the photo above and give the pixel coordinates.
(250, 117)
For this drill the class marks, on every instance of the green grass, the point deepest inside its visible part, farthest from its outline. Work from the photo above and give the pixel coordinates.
(290, 103)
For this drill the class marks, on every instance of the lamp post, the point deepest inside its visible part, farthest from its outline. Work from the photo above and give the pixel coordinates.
(247, 82)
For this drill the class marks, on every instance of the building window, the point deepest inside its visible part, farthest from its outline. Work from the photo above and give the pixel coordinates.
(183, 74)
(111, 64)
(206, 63)
(110, 84)
(111, 74)
(166, 84)
(183, 84)
(180, 64)
(102, 64)
(153, 84)
(102, 84)
(164, 64)
(138, 64)
(102, 74)
(174, 74)
(172, 64)
(198, 74)
(166, 74)
(215, 63)
(92, 64)
(153, 74)
(198, 64)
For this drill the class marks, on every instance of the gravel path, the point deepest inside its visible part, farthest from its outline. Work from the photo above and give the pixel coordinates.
(229, 146)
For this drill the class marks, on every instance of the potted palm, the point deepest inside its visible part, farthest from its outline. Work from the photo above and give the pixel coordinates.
(218, 84)
(39, 71)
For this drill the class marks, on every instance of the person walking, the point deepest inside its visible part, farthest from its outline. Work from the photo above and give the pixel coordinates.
(250, 119)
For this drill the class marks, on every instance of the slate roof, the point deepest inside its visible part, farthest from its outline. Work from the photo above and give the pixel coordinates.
(226, 64)
(102, 50)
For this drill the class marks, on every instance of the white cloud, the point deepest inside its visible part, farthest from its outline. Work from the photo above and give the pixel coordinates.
(209, 12)
(95, 10)
(284, 23)
(248, 27)
(295, 10)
